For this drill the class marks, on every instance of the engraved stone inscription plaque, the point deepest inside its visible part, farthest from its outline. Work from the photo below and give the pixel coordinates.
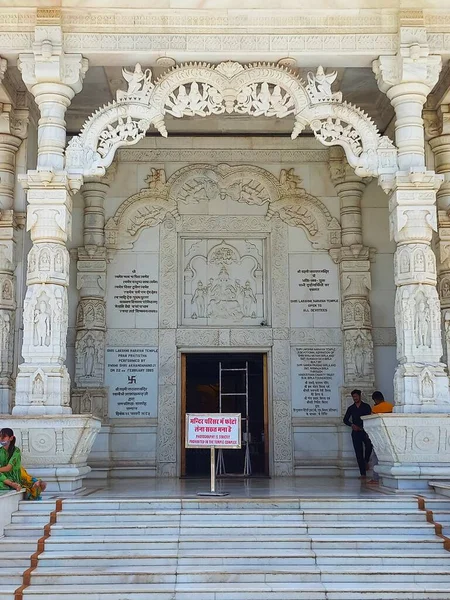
(316, 379)
(132, 377)
(314, 291)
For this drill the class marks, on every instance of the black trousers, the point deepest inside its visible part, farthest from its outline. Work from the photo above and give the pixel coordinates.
(363, 449)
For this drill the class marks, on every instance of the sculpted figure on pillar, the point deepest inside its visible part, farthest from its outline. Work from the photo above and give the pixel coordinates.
(354, 264)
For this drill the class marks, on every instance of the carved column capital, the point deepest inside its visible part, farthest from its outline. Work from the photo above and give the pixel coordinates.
(407, 78)
(50, 65)
(53, 77)
(413, 67)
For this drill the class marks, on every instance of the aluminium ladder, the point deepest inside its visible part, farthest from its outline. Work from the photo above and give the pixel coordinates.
(220, 467)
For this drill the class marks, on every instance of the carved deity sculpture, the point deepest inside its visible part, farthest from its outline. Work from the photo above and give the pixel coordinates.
(199, 298)
(223, 301)
(359, 356)
(5, 330)
(422, 324)
(89, 356)
(58, 262)
(249, 299)
(137, 79)
(44, 261)
(7, 290)
(38, 386)
(42, 325)
(427, 387)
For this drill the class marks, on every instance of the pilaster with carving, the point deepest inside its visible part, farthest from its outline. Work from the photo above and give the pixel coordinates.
(354, 266)
(13, 129)
(420, 383)
(438, 129)
(89, 393)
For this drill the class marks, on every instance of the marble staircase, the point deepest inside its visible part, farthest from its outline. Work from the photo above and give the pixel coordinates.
(274, 549)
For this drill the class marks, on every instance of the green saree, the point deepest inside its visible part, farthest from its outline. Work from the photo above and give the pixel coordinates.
(16, 462)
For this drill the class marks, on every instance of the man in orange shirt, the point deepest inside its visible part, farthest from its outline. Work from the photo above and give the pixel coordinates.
(381, 406)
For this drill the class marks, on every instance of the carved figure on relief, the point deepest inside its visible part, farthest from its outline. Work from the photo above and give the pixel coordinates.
(5, 330)
(222, 294)
(445, 288)
(90, 352)
(7, 290)
(319, 85)
(59, 262)
(427, 386)
(42, 324)
(38, 386)
(405, 266)
(419, 262)
(359, 355)
(422, 322)
(32, 261)
(44, 261)
(199, 299)
(249, 299)
(138, 79)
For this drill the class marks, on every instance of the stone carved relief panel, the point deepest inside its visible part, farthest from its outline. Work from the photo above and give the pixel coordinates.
(358, 352)
(223, 281)
(48, 263)
(90, 358)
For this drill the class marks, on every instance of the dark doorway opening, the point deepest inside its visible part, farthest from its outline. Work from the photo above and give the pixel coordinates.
(202, 383)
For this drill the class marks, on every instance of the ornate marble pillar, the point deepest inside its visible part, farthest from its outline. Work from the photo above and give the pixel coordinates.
(354, 265)
(421, 383)
(411, 443)
(440, 144)
(89, 394)
(13, 128)
(54, 443)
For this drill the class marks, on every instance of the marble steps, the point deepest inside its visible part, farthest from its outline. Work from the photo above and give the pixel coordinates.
(294, 550)
(174, 516)
(239, 574)
(226, 506)
(334, 515)
(376, 542)
(169, 557)
(244, 591)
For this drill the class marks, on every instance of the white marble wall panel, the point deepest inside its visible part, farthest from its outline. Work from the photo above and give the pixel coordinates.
(316, 449)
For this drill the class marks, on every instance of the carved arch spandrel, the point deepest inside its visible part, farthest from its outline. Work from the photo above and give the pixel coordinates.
(200, 89)
(283, 197)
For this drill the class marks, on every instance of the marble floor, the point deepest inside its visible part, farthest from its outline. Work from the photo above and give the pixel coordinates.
(283, 487)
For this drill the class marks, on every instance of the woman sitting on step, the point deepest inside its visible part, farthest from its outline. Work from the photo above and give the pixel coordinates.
(12, 474)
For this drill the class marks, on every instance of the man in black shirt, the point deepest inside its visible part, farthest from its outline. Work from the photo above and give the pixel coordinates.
(359, 437)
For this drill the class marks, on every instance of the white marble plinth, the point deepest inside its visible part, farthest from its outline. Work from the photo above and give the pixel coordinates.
(411, 449)
(55, 447)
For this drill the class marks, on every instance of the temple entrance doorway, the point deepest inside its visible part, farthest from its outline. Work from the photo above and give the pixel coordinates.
(228, 383)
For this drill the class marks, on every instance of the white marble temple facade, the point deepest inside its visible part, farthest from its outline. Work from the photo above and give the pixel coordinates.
(195, 181)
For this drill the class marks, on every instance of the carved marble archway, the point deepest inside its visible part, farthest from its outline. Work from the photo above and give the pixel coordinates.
(283, 197)
(200, 89)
